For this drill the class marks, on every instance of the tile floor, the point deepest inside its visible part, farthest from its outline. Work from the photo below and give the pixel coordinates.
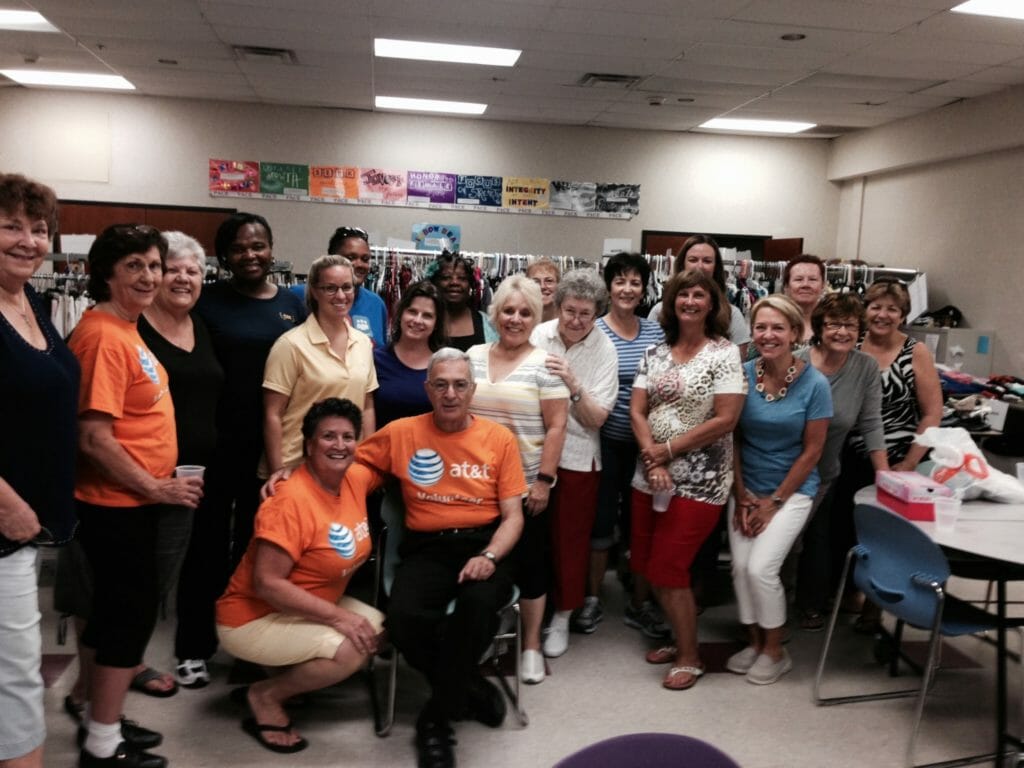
(600, 688)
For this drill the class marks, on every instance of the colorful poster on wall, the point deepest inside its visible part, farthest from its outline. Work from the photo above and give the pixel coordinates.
(284, 179)
(432, 237)
(429, 187)
(334, 181)
(575, 196)
(618, 198)
(478, 190)
(382, 186)
(524, 192)
(234, 176)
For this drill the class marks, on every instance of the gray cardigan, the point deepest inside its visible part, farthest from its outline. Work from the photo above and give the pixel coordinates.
(856, 402)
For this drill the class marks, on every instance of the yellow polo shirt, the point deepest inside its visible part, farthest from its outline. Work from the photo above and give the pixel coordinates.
(303, 366)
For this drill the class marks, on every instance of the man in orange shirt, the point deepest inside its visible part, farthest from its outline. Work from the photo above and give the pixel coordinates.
(462, 483)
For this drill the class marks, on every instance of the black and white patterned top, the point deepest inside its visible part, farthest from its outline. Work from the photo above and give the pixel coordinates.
(900, 411)
(681, 397)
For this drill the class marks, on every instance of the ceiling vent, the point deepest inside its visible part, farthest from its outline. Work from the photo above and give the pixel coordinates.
(266, 55)
(603, 80)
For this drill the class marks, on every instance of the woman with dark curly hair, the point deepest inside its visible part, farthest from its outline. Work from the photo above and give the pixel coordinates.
(128, 446)
(455, 277)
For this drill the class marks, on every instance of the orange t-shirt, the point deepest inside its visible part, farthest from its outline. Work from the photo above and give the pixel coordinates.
(448, 479)
(123, 379)
(326, 536)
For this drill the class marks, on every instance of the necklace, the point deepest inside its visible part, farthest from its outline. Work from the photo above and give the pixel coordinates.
(759, 373)
(21, 309)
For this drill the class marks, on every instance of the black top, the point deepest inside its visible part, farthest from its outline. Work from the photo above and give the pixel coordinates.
(196, 380)
(243, 330)
(39, 423)
(478, 337)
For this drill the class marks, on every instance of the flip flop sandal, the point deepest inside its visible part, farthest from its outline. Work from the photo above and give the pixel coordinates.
(664, 655)
(670, 679)
(256, 730)
(812, 621)
(148, 675)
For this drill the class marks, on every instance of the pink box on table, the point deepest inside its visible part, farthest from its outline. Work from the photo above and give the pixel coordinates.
(909, 494)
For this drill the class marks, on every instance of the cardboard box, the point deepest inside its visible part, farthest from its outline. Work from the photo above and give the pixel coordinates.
(910, 487)
(922, 511)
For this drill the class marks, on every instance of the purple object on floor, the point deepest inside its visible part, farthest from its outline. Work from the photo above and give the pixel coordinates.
(649, 750)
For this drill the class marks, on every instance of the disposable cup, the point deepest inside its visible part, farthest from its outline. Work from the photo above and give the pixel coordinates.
(662, 500)
(947, 510)
(1020, 471)
(189, 470)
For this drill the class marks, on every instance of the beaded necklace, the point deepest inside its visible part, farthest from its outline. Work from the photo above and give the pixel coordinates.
(759, 386)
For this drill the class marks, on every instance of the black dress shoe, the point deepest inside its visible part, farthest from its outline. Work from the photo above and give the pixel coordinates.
(434, 742)
(123, 757)
(485, 704)
(135, 736)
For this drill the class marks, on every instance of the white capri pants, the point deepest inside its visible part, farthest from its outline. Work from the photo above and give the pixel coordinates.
(22, 725)
(756, 563)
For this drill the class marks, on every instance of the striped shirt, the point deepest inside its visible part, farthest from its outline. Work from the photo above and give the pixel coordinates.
(514, 402)
(618, 427)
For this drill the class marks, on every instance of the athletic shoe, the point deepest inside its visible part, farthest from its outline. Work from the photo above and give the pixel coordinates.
(585, 620)
(192, 673)
(556, 639)
(741, 662)
(766, 671)
(647, 619)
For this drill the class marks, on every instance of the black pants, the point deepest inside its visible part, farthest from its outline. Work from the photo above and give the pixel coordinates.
(446, 648)
(120, 544)
(221, 529)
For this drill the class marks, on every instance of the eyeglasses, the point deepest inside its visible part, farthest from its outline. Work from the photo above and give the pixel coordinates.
(332, 290)
(346, 232)
(842, 327)
(545, 280)
(583, 317)
(440, 386)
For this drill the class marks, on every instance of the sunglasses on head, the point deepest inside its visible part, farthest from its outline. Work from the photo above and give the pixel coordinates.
(346, 232)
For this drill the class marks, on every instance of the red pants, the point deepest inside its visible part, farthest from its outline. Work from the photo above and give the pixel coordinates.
(571, 513)
(664, 544)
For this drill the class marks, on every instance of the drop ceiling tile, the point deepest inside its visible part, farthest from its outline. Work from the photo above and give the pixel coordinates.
(725, 74)
(758, 56)
(862, 64)
(833, 14)
(965, 27)
(998, 75)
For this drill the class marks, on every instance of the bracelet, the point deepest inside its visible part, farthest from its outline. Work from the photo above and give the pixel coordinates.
(668, 447)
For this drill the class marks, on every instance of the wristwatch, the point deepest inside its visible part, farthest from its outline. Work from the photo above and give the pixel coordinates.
(549, 479)
(490, 556)
(575, 398)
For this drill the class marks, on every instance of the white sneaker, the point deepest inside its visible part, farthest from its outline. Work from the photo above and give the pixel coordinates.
(765, 671)
(192, 673)
(556, 639)
(741, 662)
(532, 667)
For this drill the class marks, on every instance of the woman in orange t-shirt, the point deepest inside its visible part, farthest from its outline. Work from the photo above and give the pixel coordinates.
(285, 605)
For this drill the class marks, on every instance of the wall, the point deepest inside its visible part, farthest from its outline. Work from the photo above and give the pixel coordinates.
(154, 150)
(942, 192)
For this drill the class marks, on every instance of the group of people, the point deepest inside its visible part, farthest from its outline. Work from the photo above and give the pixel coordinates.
(519, 444)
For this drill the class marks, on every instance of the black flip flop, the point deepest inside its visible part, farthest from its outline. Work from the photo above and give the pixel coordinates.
(256, 730)
(147, 676)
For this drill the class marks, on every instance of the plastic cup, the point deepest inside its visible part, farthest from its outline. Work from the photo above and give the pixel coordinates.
(947, 510)
(1020, 471)
(662, 500)
(189, 470)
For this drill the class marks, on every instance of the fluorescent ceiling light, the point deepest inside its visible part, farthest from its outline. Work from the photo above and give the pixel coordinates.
(1004, 9)
(430, 105)
(25, 21)
(756, 126)
(67, 79)
(456, 54)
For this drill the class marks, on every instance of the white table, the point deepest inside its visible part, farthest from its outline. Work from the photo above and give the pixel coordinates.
(994, 532)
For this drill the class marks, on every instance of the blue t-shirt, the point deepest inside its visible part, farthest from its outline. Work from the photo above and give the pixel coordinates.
(369, 315)
(618, 426)
(772, 433)
(401, 392)
(243, 330)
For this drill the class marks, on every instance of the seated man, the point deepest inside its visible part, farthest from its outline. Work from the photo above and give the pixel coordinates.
(462, 483)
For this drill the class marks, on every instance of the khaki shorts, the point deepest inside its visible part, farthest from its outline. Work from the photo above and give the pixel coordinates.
(280, 639)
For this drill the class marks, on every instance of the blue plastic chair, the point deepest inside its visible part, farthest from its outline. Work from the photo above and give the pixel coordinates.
(649, 750)
(900, 569)
(393, 516)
